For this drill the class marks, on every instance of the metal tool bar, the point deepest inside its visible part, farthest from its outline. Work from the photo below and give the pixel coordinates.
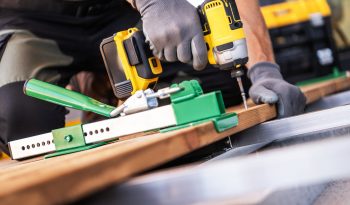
(139, 122)
(327, 102)
(32, 146)
(99, 131)
(294, 126)
(302, 165)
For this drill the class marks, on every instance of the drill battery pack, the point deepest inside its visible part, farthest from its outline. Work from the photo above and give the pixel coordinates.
(301, 34)
(130, 63)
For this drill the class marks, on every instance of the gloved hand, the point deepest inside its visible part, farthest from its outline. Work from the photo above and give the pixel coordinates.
(269, 87)
(173, 30)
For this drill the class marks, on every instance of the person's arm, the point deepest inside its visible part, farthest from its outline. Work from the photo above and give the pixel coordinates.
(132, 2)
(268, 85)
(258, 39)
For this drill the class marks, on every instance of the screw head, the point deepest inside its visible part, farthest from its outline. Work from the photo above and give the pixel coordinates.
(68, 138)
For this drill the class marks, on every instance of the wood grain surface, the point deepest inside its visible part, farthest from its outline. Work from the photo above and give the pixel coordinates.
(67, 178)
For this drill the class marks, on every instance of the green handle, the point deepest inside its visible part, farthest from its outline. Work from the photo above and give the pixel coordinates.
(60, 96)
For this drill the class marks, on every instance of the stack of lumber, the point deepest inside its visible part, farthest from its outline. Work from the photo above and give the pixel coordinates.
(70, 177)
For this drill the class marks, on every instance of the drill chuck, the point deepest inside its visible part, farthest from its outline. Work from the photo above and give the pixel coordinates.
(238, 72)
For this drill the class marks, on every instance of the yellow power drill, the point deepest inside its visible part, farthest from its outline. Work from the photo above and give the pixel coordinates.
(132, 67)
(225, 38)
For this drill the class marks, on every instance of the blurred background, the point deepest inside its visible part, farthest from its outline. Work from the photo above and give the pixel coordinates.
(310, 37)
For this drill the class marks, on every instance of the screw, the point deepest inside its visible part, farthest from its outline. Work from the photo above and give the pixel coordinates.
(68, 138)
(229, 142)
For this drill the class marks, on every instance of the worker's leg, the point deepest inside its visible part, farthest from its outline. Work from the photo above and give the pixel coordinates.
(25, 56)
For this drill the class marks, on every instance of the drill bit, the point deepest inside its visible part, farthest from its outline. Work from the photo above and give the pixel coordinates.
(237, 72)
(240, 85)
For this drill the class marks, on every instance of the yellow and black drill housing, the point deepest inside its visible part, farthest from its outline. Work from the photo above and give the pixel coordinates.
(130, 63)
(223, 34)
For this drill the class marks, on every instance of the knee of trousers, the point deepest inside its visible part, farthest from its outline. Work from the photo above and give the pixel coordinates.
(22, 116)
(25, 56)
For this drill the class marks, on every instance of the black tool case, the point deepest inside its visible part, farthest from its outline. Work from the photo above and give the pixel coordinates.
(304, 50)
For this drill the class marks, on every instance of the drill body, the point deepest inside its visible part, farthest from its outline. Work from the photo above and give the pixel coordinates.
(131, 66)
(223, 34)
(225, 38)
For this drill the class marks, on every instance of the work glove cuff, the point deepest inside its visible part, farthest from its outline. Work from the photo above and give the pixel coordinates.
(264, 70)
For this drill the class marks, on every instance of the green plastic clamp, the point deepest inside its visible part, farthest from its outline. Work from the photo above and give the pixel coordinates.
(73, 150)
(192, 107)
(69, 140)
(69, 137)
(221, 123)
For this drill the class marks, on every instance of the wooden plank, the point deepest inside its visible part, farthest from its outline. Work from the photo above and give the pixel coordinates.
(317, 91)
(67, 178)
(81, 173)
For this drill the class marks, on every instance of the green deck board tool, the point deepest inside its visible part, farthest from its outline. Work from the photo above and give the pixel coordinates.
(189, 107)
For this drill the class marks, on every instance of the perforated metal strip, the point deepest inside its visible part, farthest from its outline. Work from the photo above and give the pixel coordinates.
(99, 131)
(32, 146)
(148, 120)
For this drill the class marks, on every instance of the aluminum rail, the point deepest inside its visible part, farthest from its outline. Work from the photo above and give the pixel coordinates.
(226, 180)
(294, 126)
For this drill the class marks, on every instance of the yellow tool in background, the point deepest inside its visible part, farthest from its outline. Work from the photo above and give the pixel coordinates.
(302, 38)
(131, 66)
(294, 12)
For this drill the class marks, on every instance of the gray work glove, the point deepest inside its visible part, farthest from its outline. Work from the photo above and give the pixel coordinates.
(173, 30)
(269, 87)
